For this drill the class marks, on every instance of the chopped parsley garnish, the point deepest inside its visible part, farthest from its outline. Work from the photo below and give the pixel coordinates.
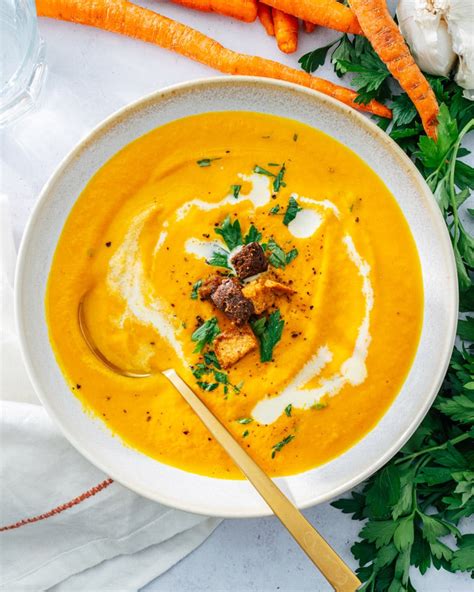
(244, 420)
(278, 182)
(279, 445)
(207, 386)
(274, 210)
(273, 164)
(238, 387)
(199, 370)
(278, 258)
(221, 377)
(210, 359)
(195, 290)
(245, 434)
(291, 255)
(277, 254)
(319, 406)
(219, 259)
(235, 190)
(205, 162)
(261, 171)
(230, 232)
(268, 331)
(291, 210)
(288, 409)
(205, 334)
(253, 235)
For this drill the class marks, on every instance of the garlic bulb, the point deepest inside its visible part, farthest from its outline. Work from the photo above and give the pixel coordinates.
(439, 32)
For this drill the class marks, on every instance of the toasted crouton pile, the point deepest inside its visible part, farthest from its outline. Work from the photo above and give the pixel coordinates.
(239, 302)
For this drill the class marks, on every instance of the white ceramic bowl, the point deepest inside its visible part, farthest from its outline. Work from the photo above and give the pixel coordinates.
(175, 487)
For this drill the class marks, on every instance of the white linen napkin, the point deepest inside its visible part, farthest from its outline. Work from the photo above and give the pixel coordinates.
(72, 528)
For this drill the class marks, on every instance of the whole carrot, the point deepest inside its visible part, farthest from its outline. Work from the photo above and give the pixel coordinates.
(244, 10)
(120, 16)
(388, 42)
(327, 13)
(265, 15)
(286, 31)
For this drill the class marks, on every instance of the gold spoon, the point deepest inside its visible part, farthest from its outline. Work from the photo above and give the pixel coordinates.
(84, 329)
(338, 574)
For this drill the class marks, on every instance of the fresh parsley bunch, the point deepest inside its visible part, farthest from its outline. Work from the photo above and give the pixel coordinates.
(413, 506)
(418, 499)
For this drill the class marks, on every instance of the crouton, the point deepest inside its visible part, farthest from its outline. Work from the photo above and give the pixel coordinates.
(263, 293)
(229, 298)
(249, 261)
(209, 286)
(232, 345)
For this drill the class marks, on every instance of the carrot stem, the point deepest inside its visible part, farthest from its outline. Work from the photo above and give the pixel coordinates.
(388, 42)
(125, 18)
(327, 13)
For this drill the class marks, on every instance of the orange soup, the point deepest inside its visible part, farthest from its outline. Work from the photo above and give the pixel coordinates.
(261, 259)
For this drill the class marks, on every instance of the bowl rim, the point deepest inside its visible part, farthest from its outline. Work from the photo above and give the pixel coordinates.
(372, 129)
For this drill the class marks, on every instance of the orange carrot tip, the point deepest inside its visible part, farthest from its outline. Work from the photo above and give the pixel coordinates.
(286, 31)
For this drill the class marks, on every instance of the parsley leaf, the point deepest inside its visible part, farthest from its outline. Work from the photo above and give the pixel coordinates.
(205, 334)
(235, 190)
(311, 61)
(274, 210)
(253, 235)
(291, 210)
(230, 232)
(219, 258)
(288, 409)
(195, 290)
(463, 557)
(278, 182)
(291, 255)
(279, 445)
(207, 386)
(210, 359)
(261, 171)
(278, 258)
(244, 420)
(269, 331)
(206, 162)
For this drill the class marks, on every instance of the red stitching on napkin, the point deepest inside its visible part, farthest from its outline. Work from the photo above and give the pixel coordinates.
(77, 500)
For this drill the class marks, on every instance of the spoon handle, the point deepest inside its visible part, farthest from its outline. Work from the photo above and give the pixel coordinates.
(338, 574)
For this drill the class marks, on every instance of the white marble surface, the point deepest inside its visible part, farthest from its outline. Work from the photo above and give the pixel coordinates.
(92, 74)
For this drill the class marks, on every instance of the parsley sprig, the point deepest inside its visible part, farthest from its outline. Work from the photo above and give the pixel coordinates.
(422, 494)
(417, 499)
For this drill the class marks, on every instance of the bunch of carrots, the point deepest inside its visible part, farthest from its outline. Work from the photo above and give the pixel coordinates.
(280, 18)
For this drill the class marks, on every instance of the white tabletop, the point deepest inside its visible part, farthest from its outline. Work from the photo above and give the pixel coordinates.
(91, 74)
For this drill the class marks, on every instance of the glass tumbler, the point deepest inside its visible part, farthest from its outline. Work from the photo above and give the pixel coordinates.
(22, 65)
